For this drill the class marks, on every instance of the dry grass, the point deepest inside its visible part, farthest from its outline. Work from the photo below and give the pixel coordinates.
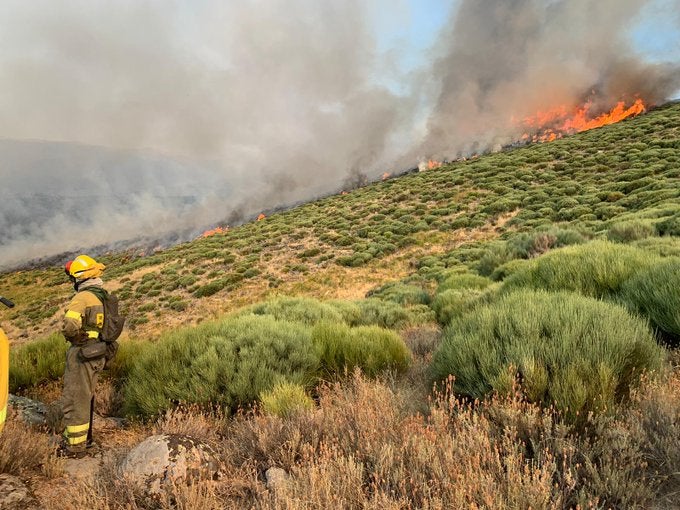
(363, 447)
(24, 449)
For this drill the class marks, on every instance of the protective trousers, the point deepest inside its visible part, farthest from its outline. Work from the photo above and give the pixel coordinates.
(80, 380)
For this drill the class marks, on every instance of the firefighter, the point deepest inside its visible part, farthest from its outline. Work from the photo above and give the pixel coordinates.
(82, 327)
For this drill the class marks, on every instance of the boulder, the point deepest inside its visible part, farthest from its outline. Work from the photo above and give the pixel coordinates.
(160, 461)
(14, 495)
(31, 412)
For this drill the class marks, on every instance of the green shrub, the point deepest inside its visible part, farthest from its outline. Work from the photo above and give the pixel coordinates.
(454, 303)
(227, 363)
(669, 226)
(579, 353)
(386, 314)
(209, 289)
(596, 269)
(370, 348)
(507, 269)
(297, 309)
(663, 246)
(37, 362)
(464, 281)
(129, 351)
(655, 294)
(286, 399)
(628, 231)
(401, 293)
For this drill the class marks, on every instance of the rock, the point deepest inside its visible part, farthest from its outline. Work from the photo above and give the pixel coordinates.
(109, 422)
(82, 469)
(30, 411)
(276, 478)
(160, 461)
(15, 495)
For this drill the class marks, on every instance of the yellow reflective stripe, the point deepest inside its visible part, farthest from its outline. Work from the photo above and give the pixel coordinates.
(93, 334)
(74, 429)
(70, 314)
(3, 414)
(76, 440)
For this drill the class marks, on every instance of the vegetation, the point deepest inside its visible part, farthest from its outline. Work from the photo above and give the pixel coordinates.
(577, 353)
(37, 362)
(553, 269)
(654, 293)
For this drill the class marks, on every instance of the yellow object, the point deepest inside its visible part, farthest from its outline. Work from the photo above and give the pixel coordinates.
(84, 267)
(4, 377)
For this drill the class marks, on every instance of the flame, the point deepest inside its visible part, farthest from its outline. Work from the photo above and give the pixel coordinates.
(261, 217)
(555, 123)
(216, 230)
(430, 165)
(385, 176)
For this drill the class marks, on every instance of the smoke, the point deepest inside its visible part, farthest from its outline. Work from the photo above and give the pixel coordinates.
(144, 118)
(503, 60)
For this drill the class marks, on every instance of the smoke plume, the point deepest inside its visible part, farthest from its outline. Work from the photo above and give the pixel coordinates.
(142, 118)
(503, 60)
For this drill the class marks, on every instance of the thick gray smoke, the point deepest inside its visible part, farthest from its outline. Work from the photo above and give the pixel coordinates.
(142, 118)
(504, 60)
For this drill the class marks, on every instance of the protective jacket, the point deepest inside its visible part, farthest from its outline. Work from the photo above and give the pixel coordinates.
(82, 326)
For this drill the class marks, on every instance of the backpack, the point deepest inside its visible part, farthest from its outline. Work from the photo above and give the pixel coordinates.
(113, 321)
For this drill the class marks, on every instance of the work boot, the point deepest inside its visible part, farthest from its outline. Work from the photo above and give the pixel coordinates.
(66, 452)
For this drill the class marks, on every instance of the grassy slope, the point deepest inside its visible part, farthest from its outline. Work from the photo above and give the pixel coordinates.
(342, 246)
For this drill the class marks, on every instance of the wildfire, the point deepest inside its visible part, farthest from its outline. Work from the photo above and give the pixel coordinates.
(216, 230)
(430, 165)
(559, 121)
(385, 176)
(261, 217)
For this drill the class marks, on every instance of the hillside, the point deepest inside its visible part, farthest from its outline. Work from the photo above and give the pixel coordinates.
(344, 245)
(535, 289)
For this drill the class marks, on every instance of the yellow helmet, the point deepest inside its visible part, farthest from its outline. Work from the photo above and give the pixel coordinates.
(84, 267)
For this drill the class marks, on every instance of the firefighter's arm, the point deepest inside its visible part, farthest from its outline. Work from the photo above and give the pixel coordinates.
(73, 319)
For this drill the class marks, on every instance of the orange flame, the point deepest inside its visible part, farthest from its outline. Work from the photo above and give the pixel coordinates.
(385, 176)
(432, 164)
(216, 230)
(261, 217)
(557, 122)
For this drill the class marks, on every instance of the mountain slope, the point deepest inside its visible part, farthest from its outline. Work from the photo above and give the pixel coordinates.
(343, 245)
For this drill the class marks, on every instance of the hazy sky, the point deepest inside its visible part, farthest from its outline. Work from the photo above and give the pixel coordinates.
(211, 111)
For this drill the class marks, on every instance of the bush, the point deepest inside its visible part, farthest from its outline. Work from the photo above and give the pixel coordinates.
(454, 303)
(286, 399)
(226, 363)
(464, 281)
(596, 269)
(401, 293)
(297, 309)
(370, 348)
(385, 314)
(655, 294)
(628, 231)
(576, 352)
(37, 362)
(507, 269)
(669, 226)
